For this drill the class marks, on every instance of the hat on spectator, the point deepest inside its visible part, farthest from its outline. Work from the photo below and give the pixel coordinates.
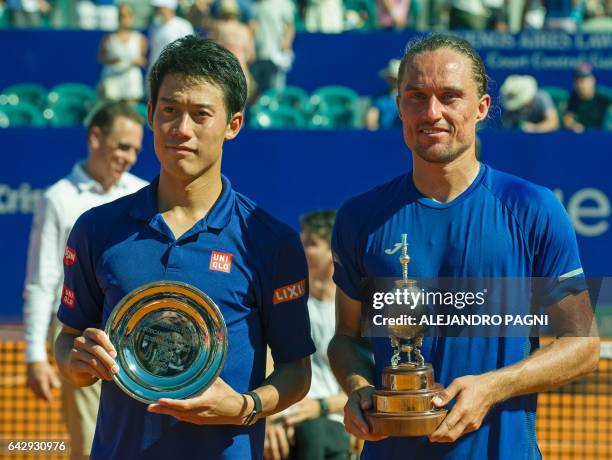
(172, 4)
(391, 70)
(583, 70)
(518, 91)
(229, 9)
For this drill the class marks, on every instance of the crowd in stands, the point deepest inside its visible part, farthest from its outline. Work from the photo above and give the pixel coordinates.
(328, 16)
(261, 34)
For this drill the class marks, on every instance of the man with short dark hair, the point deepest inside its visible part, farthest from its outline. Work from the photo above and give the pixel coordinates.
(177, 229)
(462, 219)
(114, 139)
(587, 107)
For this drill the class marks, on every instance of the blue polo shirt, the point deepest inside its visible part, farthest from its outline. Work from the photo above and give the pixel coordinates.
(500, 227)
(249, 263)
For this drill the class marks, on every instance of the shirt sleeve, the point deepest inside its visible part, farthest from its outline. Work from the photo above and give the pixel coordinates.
(43, 278)
(346, 252)
(82, 298)
(285, 311)
(557, 266)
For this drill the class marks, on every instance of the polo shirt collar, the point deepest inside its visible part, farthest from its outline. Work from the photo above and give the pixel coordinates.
(217, 218)
(85, 183)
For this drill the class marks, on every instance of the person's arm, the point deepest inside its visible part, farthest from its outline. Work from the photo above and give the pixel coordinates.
(351, 361)
(288, 36)
(102, 55)
(141, 61)
(550, 120)
(574, 353)
(43, 282)
(549, 123)
(285, 321)
(570, 122)
(221, 404)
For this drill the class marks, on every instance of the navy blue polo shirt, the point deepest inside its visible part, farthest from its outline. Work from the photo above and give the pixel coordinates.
(500, 227)
(249, 263)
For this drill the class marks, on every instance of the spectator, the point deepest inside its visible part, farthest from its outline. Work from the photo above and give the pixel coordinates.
(497, 15)
(235, 35)
(383, 112)
(97, 14)
(392, 14)
(314, 425)
(114, 138)
(199, 15)
(123, 53)
(273, 43)
(587, 107)
(166, 28)
(526, 107)
(563, 15)
(244, 6)
(467, 14)
(27, 13)
(324, 16)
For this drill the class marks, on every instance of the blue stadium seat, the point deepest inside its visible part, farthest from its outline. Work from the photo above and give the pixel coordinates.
(66, 113)
(22, 114)
(30, 93)
(280, 117)
(339, 103)
(72, 92)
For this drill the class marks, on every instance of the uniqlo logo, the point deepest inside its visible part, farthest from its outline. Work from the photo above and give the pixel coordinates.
(70, 256)
(220, 261)
(68, 297)
(289, 292)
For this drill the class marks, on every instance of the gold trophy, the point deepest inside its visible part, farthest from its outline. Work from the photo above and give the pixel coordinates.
(403, 406)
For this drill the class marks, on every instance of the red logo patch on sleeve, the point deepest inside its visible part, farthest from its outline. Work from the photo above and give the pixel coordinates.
(68, 297)
(70, 256)
(220, 261)
(289, 292)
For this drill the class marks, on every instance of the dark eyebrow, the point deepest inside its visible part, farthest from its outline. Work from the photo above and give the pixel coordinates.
(171, 100)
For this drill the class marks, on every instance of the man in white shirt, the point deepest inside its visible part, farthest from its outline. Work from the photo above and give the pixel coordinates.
(114, 139)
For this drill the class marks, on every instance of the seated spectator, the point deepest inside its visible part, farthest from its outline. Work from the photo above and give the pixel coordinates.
(274, 36)
(467, 14)
(383, 112)
(325, 16)
(526, 107)
(234, 35)
(392, 14)
(27, 13)
(313, 428)
(563, 15)
(199, 15)
(586, 108)
(97, 14)
(123, 53)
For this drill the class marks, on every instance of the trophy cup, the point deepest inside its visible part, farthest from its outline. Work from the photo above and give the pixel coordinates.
(171, 341)
(403, 406)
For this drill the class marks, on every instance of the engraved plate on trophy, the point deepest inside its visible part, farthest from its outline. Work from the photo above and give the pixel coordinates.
(403, 405)
(171, 341)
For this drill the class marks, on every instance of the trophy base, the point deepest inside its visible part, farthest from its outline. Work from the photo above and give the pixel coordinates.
(415, 424)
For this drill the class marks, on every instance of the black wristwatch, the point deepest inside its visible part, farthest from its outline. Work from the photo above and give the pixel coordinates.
(324, 407)
(252, 417)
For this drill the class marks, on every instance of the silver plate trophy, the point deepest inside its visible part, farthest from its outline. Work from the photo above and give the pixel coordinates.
(171, 341)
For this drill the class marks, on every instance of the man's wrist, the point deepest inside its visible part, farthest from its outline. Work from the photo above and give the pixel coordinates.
(323, 407)
(254, 408)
